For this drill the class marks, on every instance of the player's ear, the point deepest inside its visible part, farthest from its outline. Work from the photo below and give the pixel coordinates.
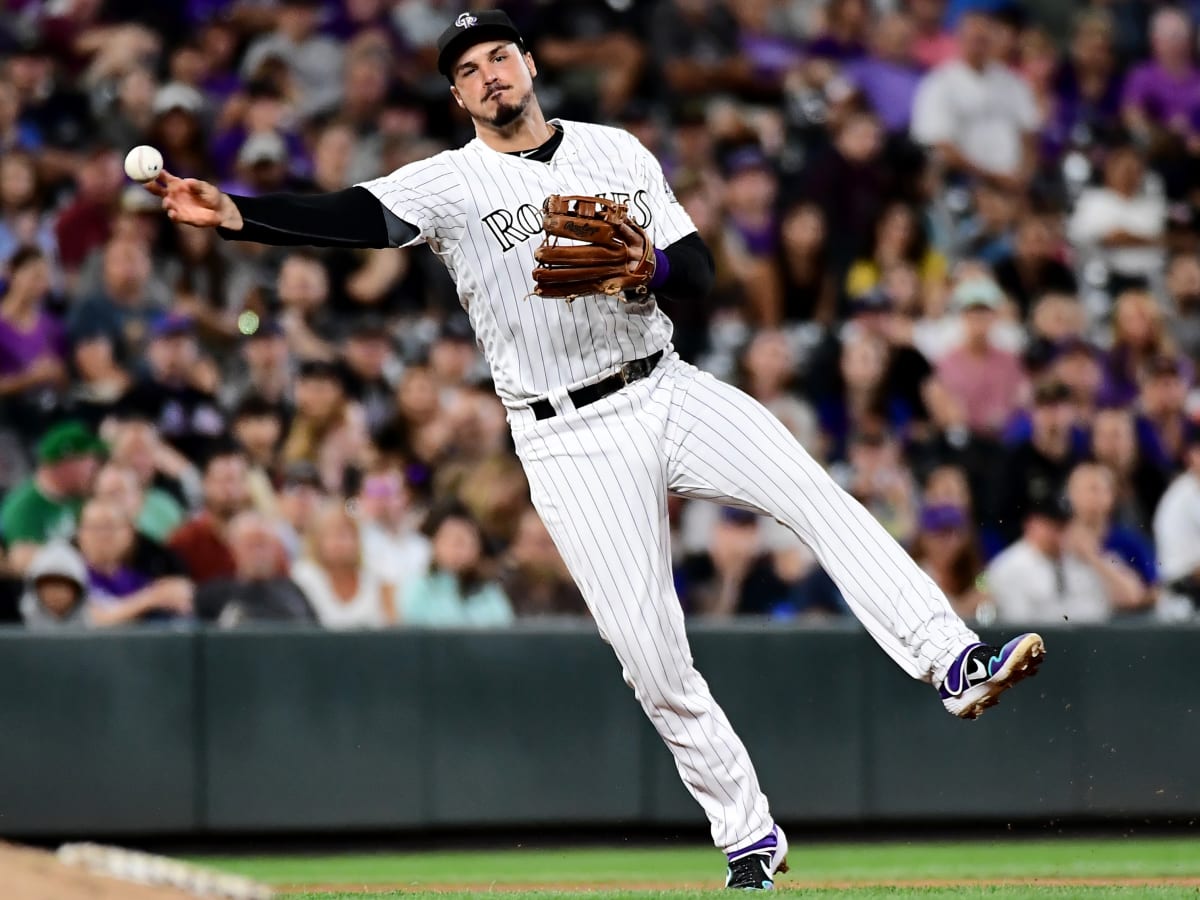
(457, 97)
(530, 64)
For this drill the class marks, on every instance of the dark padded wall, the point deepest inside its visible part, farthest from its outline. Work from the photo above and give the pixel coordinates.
(97, 734)
(157, 732)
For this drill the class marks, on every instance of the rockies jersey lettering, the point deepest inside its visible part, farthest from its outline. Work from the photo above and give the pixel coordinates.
(480, 211)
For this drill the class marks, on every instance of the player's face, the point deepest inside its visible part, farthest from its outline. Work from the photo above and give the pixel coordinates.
(493, 82)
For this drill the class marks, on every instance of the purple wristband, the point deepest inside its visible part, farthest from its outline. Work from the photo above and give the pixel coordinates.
(662, 268)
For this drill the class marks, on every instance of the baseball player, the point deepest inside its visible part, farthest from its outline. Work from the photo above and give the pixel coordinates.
(605, 417)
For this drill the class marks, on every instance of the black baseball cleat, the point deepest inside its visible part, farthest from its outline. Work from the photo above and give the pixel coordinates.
(754, 868)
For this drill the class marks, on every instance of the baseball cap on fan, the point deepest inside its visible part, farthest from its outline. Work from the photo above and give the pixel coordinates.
(471, 28)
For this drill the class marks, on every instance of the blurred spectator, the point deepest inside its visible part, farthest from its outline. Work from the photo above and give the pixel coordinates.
(850, 184)
(458, 588)
(159, 468)
(535, 576)
(86, 223)
(390, 537)
(127, 303)
(15, 135)
(46, 505)
(211, 284)
(129, 115)
(342, 588)
(988, 382)
(1057, 318)
(266, 369)
(1122, 224)
(130, 577)
(877, 477)
(256, 592)
(32, 343)
(843, 35)
(1087, 85)
(262, 166)
(492, 487)
(697, 44)
(24, 219)
(369, 369)
(870, 371)
(177, 392)
(594, 44)
(259, 107)
(977, 114)
(888, 76)
(203, 541)
(768, 369)
(303, 289)
(328, 430)
(1162, 406)
(899, 237)
(1139, 336)
(56, 589)
(312, 61)
(1040, 579)
(809, 286)
(946, 548)
(751, 188)
(1183, 293)
(932, 43)
(1033, 267)
(155, 514)
(861, 396)
(258, 430)
(1094, 532)
(1161, 94)
(1139, 483)
(737, 573)
(1037, 468)
(1078, 365)
(51, 106)
(988, 234)
(300, 496)
(100, 381)
(1177, 529)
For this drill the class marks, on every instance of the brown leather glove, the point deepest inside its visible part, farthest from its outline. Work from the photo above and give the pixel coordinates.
(597, 262)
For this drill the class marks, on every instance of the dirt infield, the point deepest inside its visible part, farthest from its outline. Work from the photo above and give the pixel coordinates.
(37, 875)
(786, 884)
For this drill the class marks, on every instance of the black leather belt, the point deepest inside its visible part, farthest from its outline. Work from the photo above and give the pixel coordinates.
(590, 393)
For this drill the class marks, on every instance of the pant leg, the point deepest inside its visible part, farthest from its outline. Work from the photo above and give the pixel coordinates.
(723, 445)
(598, 480)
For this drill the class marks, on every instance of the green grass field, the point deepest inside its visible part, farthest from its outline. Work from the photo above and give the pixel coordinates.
(1091, 869)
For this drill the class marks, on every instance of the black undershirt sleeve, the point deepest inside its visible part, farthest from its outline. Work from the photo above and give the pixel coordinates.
(353, 217)
(692, 272)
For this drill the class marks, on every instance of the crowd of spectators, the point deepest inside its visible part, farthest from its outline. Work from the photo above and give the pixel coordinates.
(956, 250)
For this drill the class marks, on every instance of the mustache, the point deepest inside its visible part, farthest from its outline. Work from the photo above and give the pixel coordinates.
(495, 90)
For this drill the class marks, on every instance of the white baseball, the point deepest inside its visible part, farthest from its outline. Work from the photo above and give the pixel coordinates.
(143, 163)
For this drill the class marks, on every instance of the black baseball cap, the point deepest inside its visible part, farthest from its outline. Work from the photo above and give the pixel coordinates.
(1052, 506)
(1049, 393)
(471, 28)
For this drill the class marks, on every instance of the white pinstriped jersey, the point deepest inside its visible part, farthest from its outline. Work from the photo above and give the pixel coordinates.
(480, 212)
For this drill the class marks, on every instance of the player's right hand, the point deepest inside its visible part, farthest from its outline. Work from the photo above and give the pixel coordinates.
(195, 202)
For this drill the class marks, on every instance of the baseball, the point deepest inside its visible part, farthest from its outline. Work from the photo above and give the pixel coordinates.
(143, 163)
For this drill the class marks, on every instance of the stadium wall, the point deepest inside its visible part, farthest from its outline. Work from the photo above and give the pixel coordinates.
(181, 733)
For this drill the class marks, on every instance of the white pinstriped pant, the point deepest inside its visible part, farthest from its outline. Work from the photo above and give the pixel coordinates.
(599, 478)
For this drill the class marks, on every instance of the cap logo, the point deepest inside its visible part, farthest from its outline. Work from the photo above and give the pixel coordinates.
(465, 20)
